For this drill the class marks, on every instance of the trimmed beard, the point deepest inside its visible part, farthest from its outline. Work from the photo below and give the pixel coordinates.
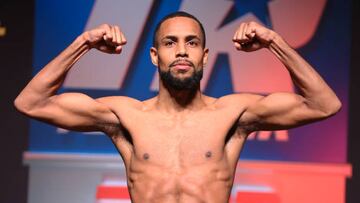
(189, 83)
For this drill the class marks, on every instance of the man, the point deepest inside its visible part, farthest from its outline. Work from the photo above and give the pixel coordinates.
(180, 146)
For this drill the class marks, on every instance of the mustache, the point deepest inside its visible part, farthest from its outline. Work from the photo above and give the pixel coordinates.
(182, 61)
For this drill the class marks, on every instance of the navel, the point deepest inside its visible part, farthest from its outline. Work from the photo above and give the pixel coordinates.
(208, 154)
(146, 156)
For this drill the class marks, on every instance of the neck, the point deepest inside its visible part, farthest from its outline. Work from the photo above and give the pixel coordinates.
(170, 99)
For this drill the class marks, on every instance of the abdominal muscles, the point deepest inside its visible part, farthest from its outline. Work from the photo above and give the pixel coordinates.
(208, 181)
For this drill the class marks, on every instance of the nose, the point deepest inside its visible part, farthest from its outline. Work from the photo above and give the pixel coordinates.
(181, 50)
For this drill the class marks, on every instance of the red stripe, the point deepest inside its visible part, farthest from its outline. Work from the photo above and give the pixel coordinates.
(255, 197)
(116, 192)
(112, 192)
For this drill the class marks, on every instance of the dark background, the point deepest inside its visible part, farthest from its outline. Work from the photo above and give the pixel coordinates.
(15, 66)
(353, 185)
(16, 49)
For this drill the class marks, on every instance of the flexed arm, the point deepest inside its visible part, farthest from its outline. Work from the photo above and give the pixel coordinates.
(73, 111)
(316, 100)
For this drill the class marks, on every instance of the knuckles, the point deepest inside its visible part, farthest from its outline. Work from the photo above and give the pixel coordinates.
(257, 29)
(107, 38)
(105, 26)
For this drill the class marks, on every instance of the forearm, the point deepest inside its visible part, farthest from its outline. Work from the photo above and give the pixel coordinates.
(46, 83)
(312, 87)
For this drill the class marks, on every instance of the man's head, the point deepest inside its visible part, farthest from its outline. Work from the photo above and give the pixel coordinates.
(178, 14)
(179, 51)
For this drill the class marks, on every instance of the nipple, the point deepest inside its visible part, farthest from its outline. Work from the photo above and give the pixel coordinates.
(146, 156)
(208, 154)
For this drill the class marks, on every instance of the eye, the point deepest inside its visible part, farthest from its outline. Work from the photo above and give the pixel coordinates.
(193, 43)
(169, 43)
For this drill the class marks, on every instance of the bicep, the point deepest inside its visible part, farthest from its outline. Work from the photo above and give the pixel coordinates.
(76, 111)
(279, 111)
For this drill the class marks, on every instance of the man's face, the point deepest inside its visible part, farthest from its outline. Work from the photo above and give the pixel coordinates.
(179, 55)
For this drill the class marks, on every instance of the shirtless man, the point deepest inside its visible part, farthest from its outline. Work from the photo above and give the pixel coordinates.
(180, 146)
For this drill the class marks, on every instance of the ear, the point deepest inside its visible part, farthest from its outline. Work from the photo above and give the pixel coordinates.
(154, 56)
(205, 57)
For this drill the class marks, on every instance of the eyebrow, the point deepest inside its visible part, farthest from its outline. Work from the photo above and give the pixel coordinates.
(191, 37)
(171, 37)
(175, 38)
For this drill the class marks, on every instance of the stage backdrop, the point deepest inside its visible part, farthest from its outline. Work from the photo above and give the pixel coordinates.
(319, 30)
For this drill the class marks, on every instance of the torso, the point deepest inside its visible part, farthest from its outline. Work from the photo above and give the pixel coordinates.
(180, 158)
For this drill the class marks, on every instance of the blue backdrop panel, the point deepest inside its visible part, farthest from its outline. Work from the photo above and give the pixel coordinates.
(58, 23)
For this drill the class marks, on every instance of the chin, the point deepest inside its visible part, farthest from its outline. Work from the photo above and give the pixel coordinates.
(181, 81)
(182, 77)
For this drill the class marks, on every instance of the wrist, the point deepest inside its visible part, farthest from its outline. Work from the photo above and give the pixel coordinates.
(282, 50)
(279, 45)
(76, 49)
(278, 42)
(82, 41)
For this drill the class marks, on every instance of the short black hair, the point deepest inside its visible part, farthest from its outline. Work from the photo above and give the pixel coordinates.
(178, 14)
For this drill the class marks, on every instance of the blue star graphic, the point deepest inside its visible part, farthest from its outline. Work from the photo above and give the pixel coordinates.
(241, 7)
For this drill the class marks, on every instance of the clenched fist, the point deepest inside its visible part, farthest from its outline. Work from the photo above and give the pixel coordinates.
(252, 36)
(106, 38)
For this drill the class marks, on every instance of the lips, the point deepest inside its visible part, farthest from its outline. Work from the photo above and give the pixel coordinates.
(182, 65)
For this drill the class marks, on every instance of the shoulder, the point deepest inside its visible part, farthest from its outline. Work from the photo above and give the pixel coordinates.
(238, 100)
(124, 102)
(120, 102)
(242, 103)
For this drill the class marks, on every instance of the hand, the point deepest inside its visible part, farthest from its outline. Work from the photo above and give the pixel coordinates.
(252, 36)
(106, 38)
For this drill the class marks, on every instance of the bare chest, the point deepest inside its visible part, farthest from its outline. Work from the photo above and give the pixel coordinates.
(180, 140)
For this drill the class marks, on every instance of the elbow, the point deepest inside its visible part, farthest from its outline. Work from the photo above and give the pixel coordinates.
(337, 107)
(22, 106)
(30, 107)
(19, 105)
(333, 108)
